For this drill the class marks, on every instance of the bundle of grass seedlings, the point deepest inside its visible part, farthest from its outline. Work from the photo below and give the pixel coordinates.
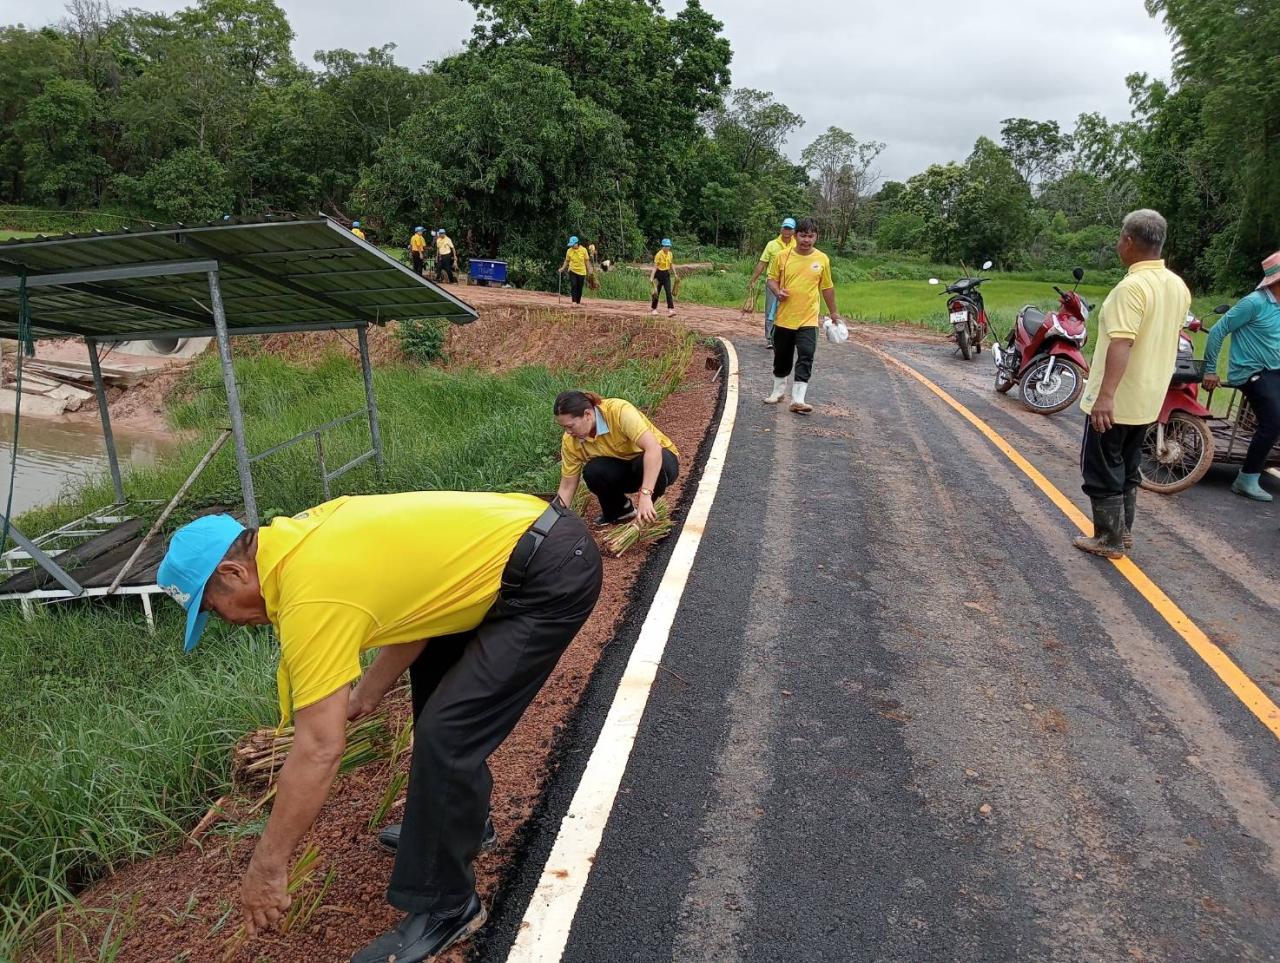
(258, 756)
(631, 533)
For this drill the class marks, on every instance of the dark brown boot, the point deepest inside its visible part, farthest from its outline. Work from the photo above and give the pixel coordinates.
(1108, 529)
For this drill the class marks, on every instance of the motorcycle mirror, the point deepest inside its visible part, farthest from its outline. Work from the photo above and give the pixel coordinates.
(1078, 274)
(986, 266)
(1222, 309)
(934, 281)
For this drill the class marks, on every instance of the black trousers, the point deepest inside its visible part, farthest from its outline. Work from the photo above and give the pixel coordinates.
(444, 265)
(576, 281)
(662, 282)
(418, 264)
(612, 479)
(469, 691)
(1110, 460)
(794, 347)
(1263, 392)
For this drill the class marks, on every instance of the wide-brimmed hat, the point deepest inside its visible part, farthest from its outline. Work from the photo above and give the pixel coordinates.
(1270, 271)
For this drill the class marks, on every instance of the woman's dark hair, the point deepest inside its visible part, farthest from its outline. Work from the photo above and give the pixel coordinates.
(807, 226)
(576, 403)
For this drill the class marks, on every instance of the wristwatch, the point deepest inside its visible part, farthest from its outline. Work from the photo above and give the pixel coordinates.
(646, 491)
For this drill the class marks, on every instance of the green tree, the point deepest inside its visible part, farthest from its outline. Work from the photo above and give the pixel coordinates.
(190, 185)
(515, 157)
(843, 170)
(29, 59)
(60, 155)
(992, 209)
(1038, 149)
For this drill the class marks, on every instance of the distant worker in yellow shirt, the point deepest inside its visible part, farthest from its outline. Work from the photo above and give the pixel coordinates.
(446, 257)
(475, 594)
(660, 276)
(577, 261)
(800, 278)
(785, 241)
(417, 250)
(355, 229)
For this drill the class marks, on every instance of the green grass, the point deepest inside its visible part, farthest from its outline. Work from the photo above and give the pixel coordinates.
(115, 741)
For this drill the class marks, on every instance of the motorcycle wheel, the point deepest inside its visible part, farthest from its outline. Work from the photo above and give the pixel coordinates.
(1061, 392)
(1188, 453)
(1003, 381)
(962, 339)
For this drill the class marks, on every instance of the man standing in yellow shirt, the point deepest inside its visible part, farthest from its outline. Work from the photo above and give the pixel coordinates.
(785, 241)
(1132, 366)
(475, 594)
(660, 277)
(417, 250)
(446, 256)
(577, 261)
(800, 278)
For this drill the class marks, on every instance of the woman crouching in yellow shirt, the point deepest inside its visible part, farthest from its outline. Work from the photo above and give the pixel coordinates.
(616, 450)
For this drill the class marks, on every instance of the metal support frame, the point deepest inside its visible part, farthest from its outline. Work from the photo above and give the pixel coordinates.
(371, 400)
(44, 561)
(116, 272)
(100, 390)
(233, 401)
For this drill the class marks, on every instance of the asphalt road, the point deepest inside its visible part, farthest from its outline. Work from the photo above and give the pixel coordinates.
(905, 720)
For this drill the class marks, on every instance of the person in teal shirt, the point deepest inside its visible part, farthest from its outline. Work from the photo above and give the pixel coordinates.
(1254, 367)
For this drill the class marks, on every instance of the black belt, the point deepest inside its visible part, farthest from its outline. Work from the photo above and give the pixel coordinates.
(518, 564)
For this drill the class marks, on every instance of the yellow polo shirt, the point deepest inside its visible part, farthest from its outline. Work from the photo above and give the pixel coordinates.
(358, 233)
(619, 428)
(361, 572)
(662, 260)
(576, 257)
(417, 243)
(444, 245)
(776, 247)
(1148, 308)
(805, 277)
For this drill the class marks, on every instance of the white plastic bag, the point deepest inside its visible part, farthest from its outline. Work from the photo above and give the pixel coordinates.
(836, 331)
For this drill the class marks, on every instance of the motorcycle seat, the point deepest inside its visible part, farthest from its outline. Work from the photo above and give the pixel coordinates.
(1032, 320)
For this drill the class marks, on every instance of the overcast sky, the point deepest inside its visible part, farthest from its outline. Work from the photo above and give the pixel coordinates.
(927, 77)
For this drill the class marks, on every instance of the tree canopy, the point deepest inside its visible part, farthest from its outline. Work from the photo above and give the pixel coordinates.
(617, 122)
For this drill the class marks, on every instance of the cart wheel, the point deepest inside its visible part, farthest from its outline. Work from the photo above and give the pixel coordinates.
(1187, 454)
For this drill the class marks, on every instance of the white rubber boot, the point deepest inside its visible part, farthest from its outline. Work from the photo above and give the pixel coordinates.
(798, 404)
(778, 393)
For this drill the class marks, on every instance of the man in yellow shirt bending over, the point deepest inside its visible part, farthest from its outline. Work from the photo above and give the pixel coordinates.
(800, 278)
(476, 594)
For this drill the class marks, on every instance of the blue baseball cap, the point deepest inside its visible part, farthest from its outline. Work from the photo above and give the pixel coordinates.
(573, 240)
(194, 552)
(666, 242)
(418, 230)
(789, 222)
(355, 223)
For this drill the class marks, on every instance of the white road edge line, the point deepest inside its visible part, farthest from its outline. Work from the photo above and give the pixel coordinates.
(544, 930)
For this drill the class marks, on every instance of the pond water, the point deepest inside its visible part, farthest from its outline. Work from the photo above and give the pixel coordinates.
(55, 456)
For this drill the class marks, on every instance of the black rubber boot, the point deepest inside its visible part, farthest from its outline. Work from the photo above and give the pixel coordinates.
(424, 936)
(1108, 529)
(1130, 513)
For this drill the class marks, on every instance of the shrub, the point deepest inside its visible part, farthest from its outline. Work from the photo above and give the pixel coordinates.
(423, 340)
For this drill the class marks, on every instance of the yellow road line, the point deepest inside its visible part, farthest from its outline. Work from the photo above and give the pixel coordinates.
(1245, 689)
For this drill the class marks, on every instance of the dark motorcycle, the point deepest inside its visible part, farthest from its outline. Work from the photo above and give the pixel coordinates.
(968, 313)
(1044, 353)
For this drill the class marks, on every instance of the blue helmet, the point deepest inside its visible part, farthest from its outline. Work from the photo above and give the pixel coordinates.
(355, 223)
(666, 242)
(573, 240)
(789, 222)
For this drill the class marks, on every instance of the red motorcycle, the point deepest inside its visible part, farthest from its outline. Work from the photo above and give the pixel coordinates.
(1179, 448)
(967, 312)
(1043, 353)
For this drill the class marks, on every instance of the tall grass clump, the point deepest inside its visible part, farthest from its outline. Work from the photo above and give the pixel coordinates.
(115, 741)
